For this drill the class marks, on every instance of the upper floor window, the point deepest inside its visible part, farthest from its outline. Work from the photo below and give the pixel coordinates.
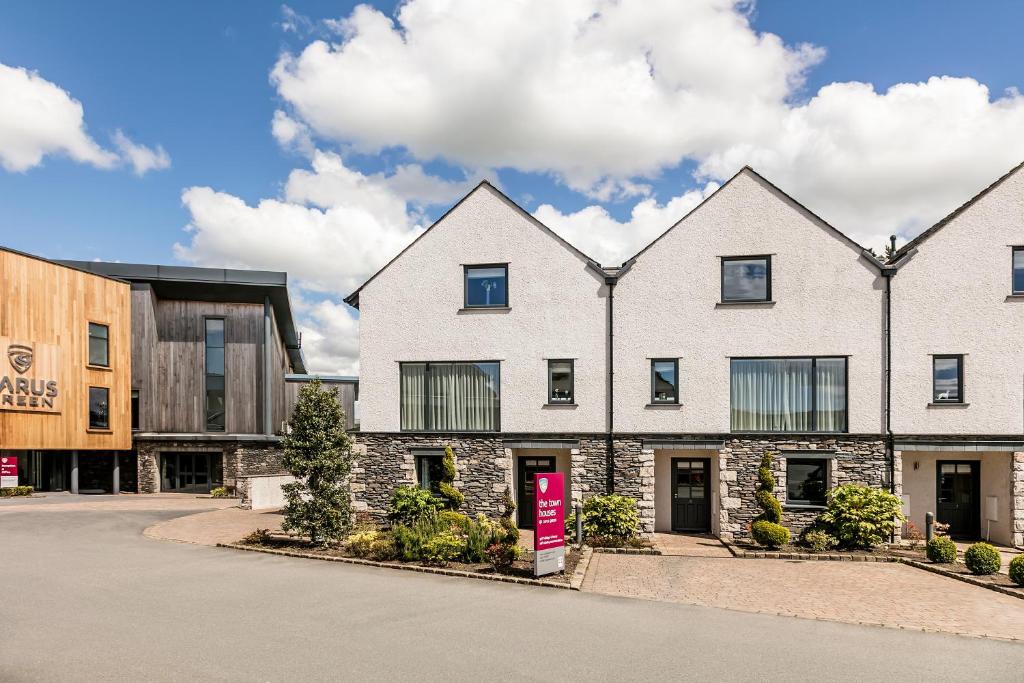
(215, 391)
(746, 278)
(448, 397)
(1018, 270)
(948, 379)
(560, 381)
(664, 382)
(430, 471)
(788, 395)
(487, 286)
(99, 408)
(99, 345)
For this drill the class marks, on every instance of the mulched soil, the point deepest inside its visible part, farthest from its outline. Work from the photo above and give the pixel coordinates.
(522, 568)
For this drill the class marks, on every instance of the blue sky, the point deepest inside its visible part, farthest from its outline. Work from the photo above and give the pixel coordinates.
(195, 80)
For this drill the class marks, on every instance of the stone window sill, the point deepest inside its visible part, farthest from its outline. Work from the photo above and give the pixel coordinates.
(484, 309)
(746, 304)
(665, 406)
(804, 508)
(951, 404)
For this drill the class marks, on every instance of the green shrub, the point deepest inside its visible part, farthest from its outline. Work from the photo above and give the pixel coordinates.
(982, 559)
(383, 548)
(502, 555)
(1017, 570)
(410, 539)
(14, 491)
(610, 516)
(453, 498)
(818, 541)
(257, 537)
(219, 492)
(861, 516)
(769, 534)
(455, 521)
(410, 504)
(442, 548)
(480, 535)
(360, 544)
(771, 509)
(941, 549)
(504, 550)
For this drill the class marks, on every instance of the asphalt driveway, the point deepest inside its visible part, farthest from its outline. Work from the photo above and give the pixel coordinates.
(87, 597)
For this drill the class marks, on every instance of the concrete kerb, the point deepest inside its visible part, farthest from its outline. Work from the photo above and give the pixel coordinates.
(627, 551)
(408, 567)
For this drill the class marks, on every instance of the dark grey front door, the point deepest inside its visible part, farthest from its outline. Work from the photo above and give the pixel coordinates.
(529, 468)
(691, 494)
(959, 497)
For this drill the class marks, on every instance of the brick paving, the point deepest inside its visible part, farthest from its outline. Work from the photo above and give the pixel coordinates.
(690, 545)
(881, 594)
(228, 525)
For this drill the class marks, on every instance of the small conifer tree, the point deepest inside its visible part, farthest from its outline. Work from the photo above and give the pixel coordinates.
(318, 453)
(453, 498)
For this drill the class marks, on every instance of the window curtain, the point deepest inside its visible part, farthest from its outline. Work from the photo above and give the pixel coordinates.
(450, 396)
(830, 381)
(771, 395)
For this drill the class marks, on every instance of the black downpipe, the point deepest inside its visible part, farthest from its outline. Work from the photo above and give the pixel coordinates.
(610, 444)
(889, 441)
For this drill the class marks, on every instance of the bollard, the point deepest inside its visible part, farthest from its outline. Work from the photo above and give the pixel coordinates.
(929, 526)
(579, 524)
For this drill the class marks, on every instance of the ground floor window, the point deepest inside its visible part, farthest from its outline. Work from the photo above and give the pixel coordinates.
(806, 481)
(430, 471)
(191, 472)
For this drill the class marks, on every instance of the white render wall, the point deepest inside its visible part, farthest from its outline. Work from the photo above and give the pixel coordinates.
(829, 301)
(411, 312)
(952, 297)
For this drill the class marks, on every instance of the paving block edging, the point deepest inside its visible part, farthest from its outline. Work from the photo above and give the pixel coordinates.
(627, 551)
(408, 567)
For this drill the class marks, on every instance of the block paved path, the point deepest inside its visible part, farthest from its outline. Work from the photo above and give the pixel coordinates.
(884, 594)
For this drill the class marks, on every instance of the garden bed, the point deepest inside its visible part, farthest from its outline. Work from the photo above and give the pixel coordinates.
(521, 570)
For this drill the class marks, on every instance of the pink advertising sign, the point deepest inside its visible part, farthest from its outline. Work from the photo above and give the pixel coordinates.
(549, 516)
(8, 471)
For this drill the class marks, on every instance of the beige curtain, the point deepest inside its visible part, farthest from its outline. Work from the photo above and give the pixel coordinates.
(462, 396)
(771, 395)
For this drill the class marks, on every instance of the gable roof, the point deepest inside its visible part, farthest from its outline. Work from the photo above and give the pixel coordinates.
(353, 298)
(914, 243)
(776, 190)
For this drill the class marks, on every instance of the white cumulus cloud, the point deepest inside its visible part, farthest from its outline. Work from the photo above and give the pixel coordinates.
(142, 159)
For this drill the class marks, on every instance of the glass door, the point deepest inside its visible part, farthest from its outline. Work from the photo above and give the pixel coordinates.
(529, 468)
(191, 472)
(691, 495)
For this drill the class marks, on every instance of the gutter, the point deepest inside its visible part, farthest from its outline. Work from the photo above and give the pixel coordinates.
(611, 281)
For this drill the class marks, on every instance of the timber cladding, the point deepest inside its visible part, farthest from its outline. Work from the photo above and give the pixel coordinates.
(45, 311)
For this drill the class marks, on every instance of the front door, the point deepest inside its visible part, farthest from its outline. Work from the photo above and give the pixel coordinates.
(528, 469)
(191, 472)
(691, 494)
(959, 499)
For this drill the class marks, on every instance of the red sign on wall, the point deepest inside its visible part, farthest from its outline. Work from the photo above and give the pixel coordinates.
(549, 530)
(8, 471)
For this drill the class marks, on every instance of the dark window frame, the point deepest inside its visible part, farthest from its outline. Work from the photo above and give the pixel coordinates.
(1013, 268)
(136, 405)
(572, 382)
(88, 347)
(768, 277)
(105, 424)
(959, 357)
(675, 366)
(423, 459)
(465, 284)
(804, 460)
(426, 402)
(206, 375)
(814, 391)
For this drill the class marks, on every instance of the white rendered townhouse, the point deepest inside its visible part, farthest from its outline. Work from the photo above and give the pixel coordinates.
(750, 326)
(958, 367)
(488, 334)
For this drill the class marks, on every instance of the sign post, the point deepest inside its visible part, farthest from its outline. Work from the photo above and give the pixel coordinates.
(549, 523)
(8, 471)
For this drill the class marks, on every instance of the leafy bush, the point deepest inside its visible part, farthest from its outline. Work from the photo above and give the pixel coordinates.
(410, 504)
(318, 453)
(257, 537)
(504, 550)
(1017, 570)
(360, 544)
(13, 491)
(982, 558)
(453, 498)
(443, 548)
(941, 549)
(610, 516)
(480, 535)
(410, 539)
(219, 492)
(861, 516)
(819, 541)
(502, 555)
(383, 548)
(455, 521)
(769, 534)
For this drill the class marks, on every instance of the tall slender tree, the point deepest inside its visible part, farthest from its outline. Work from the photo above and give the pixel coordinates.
(318, 453)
